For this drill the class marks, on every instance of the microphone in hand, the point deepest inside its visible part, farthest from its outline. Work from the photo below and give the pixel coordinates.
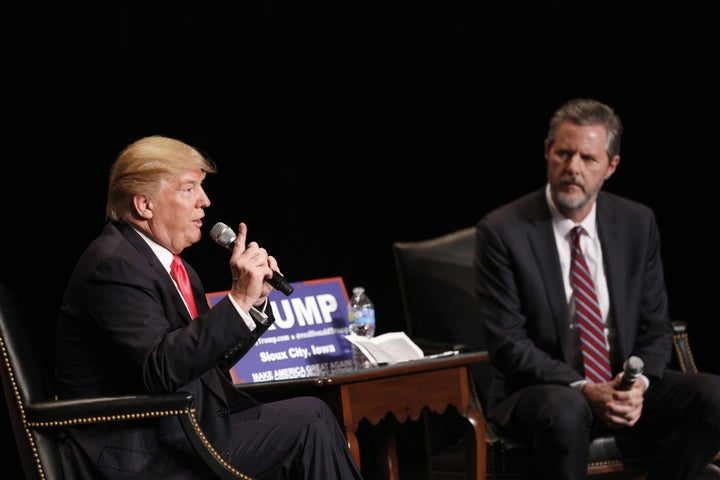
(225, 237)
(632, 369)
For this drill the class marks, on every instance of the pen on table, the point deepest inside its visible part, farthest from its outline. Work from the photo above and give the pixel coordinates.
(448, 353)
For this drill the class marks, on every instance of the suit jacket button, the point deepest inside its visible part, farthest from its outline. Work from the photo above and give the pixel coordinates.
(222, 412)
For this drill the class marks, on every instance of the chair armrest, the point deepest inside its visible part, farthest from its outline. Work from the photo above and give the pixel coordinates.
(681, 344)
(57, 413)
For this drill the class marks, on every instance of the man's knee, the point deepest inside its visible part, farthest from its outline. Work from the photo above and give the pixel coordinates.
(566, 410)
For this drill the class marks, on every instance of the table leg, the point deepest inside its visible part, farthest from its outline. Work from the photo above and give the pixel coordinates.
(353, 444)
(386, 450)
(475, 448)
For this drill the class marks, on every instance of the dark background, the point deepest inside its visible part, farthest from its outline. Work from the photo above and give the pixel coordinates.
(341, 127)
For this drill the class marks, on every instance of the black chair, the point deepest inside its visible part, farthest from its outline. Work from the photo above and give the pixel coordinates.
(437, 281)
(38, 419)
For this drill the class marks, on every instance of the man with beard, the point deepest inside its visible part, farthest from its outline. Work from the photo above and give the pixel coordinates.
(545, 392)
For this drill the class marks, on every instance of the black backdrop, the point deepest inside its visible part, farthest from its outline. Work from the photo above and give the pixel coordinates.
(340, 127)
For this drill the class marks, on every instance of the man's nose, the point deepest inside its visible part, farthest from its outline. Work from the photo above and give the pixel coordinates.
(574, 161)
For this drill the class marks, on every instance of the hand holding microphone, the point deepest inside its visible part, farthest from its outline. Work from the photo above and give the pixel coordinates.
(632, 369)
(224, 236)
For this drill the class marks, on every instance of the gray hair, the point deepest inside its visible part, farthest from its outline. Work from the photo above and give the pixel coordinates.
(585, 111)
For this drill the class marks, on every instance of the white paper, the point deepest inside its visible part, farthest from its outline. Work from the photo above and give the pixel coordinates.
(388, 348)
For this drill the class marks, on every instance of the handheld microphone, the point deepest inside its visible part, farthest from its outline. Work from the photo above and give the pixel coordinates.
(632, 369)
(224, 236)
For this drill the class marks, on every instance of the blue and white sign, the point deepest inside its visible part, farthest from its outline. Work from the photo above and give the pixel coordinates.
(307, 338)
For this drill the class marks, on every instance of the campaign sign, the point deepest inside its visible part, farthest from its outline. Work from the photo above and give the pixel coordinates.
(307, 338)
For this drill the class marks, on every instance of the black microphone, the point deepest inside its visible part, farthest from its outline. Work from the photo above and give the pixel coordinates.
(224, 236)
(632, 369)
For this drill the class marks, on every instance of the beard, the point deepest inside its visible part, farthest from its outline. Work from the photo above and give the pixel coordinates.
(570, 199)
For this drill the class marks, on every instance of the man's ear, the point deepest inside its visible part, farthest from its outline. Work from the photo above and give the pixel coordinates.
(613, 165)
(546, 147)
(143, 206)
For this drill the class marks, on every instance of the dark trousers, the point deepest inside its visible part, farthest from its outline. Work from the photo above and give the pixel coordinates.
(294, 439)
(558, 424)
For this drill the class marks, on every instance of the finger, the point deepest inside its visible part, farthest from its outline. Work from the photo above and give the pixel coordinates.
(616, 421)
(255, 249)
(242, 235)
(273, 264)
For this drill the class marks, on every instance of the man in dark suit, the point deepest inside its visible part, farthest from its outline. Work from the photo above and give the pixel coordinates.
(539, 393)
(124, 328)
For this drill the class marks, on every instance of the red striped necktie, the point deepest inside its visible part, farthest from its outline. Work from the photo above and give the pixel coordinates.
(179, 274)
(596, 359)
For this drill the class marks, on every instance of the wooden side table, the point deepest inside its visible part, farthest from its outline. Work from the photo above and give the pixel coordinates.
(403, 389)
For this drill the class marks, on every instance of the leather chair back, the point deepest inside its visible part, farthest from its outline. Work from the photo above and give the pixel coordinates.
(25, 379)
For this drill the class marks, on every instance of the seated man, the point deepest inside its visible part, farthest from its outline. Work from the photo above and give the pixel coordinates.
(134, 320)
(557, 374)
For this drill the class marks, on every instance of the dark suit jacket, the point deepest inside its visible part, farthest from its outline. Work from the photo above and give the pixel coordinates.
(523, 301)
(123, 329)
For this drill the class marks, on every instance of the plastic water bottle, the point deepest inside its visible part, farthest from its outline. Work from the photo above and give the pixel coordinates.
(361, 321)
(361, 313)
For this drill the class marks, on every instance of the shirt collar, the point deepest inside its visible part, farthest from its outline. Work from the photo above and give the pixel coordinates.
(164, 255)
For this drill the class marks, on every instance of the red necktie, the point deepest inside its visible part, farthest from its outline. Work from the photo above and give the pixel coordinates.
(179, 274)
(596, 359)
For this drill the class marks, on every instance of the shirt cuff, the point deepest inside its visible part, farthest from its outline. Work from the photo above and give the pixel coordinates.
(579, 384)
(259, 315)
(247, 318)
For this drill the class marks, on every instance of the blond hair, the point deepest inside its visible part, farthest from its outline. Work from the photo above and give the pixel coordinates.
(142, 165)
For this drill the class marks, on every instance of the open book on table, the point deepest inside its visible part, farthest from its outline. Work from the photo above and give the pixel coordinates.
(392, 347)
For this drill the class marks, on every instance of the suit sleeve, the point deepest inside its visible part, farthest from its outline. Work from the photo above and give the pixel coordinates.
(146, 329)
(647, 304)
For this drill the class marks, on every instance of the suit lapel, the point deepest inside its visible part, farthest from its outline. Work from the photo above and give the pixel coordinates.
(544, 249)
(614, 243)
(131, 235)
(542, 241)
(197, 289)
